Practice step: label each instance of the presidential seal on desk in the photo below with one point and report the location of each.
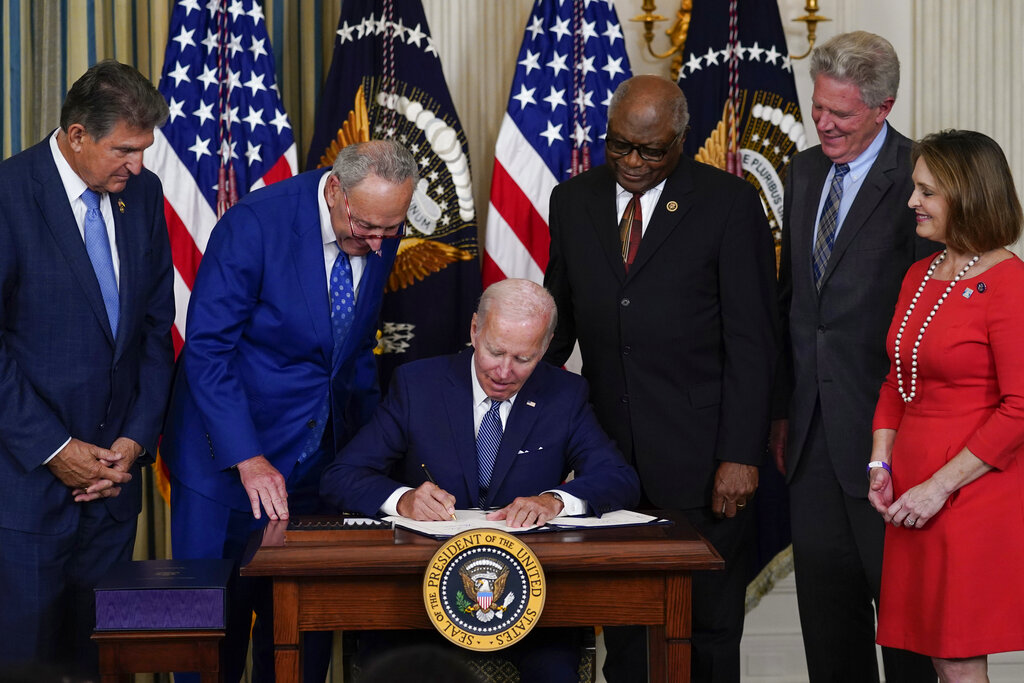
(484, 589)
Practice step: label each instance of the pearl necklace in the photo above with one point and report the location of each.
(908, 397)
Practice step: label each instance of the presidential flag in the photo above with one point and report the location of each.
(745, 118)
(572, 58)
(738, 81)
(227, 133)
(386, 82)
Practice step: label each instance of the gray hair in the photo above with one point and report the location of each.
(385, 159)
(518, 299)
(679, 110)
(864, 59)
(110, 92)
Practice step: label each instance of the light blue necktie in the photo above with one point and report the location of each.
(343, 304)
(829, 224)
(488, 439)
(98, 247)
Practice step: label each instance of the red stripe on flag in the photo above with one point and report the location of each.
(278, 171)
(490, 273)
(518, 211)
(184, 252)
(178, 341)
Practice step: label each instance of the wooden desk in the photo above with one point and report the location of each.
(123, 653)
(634, 575)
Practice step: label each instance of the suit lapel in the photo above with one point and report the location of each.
(129, 259)
(678, 192)
(308, 256)
(457, 395)
(876, 184)
(60, 220)
(603, 221)
(805, 222)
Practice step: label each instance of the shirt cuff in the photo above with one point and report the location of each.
(571, 505)
(54, 454)
(390, 506)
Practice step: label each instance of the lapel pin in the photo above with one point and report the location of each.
(672, 206)
(120, 205)
(981, 288)
(968, 292)
(531, 404)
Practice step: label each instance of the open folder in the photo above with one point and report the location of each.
(477, 519)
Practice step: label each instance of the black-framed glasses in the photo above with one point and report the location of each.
(365, 231)
(621, 148)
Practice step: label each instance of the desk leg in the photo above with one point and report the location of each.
(669, 645)
(286, 631)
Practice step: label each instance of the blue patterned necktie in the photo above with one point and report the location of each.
(343, 304)
(98, 246)
(828, 224)
(488, 438)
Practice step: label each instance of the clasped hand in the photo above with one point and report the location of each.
(92, 472)
(914, 508)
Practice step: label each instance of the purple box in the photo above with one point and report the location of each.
(158, 595)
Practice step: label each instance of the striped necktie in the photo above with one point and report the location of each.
(631, 229)
(488, 439)
(829, 224)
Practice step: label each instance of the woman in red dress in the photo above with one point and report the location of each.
(947, 460)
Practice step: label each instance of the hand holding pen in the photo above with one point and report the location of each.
(428, 502)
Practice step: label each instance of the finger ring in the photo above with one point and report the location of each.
(911, 522)
(740, 506)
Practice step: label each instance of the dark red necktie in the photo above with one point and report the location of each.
(631, 229)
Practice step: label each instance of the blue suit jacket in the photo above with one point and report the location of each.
(62, 374)
(258, 344)
(427, 418)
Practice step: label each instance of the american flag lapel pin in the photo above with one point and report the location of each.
(532, 404)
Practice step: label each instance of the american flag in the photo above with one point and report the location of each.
(572, 58)
(227, 133)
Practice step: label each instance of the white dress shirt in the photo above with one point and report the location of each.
(648, 203)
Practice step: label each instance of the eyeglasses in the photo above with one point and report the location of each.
(365, 231)
(621, 148)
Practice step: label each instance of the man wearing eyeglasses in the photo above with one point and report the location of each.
(663, 270)
(278, 370)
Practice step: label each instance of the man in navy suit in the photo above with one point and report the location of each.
(277, 370)
(85, 359)
(436, 414)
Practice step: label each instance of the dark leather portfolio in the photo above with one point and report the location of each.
(157, 595)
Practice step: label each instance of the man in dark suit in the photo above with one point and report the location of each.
(85, 359)
(675, 317)
(436, 415)
(848, 238)
(278, 371)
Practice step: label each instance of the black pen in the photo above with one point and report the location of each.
(433, 481)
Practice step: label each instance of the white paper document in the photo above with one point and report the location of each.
(477, 519)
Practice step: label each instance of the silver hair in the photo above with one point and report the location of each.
(864, 59)
(385, 159)
(680, 111)
(518, 299)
